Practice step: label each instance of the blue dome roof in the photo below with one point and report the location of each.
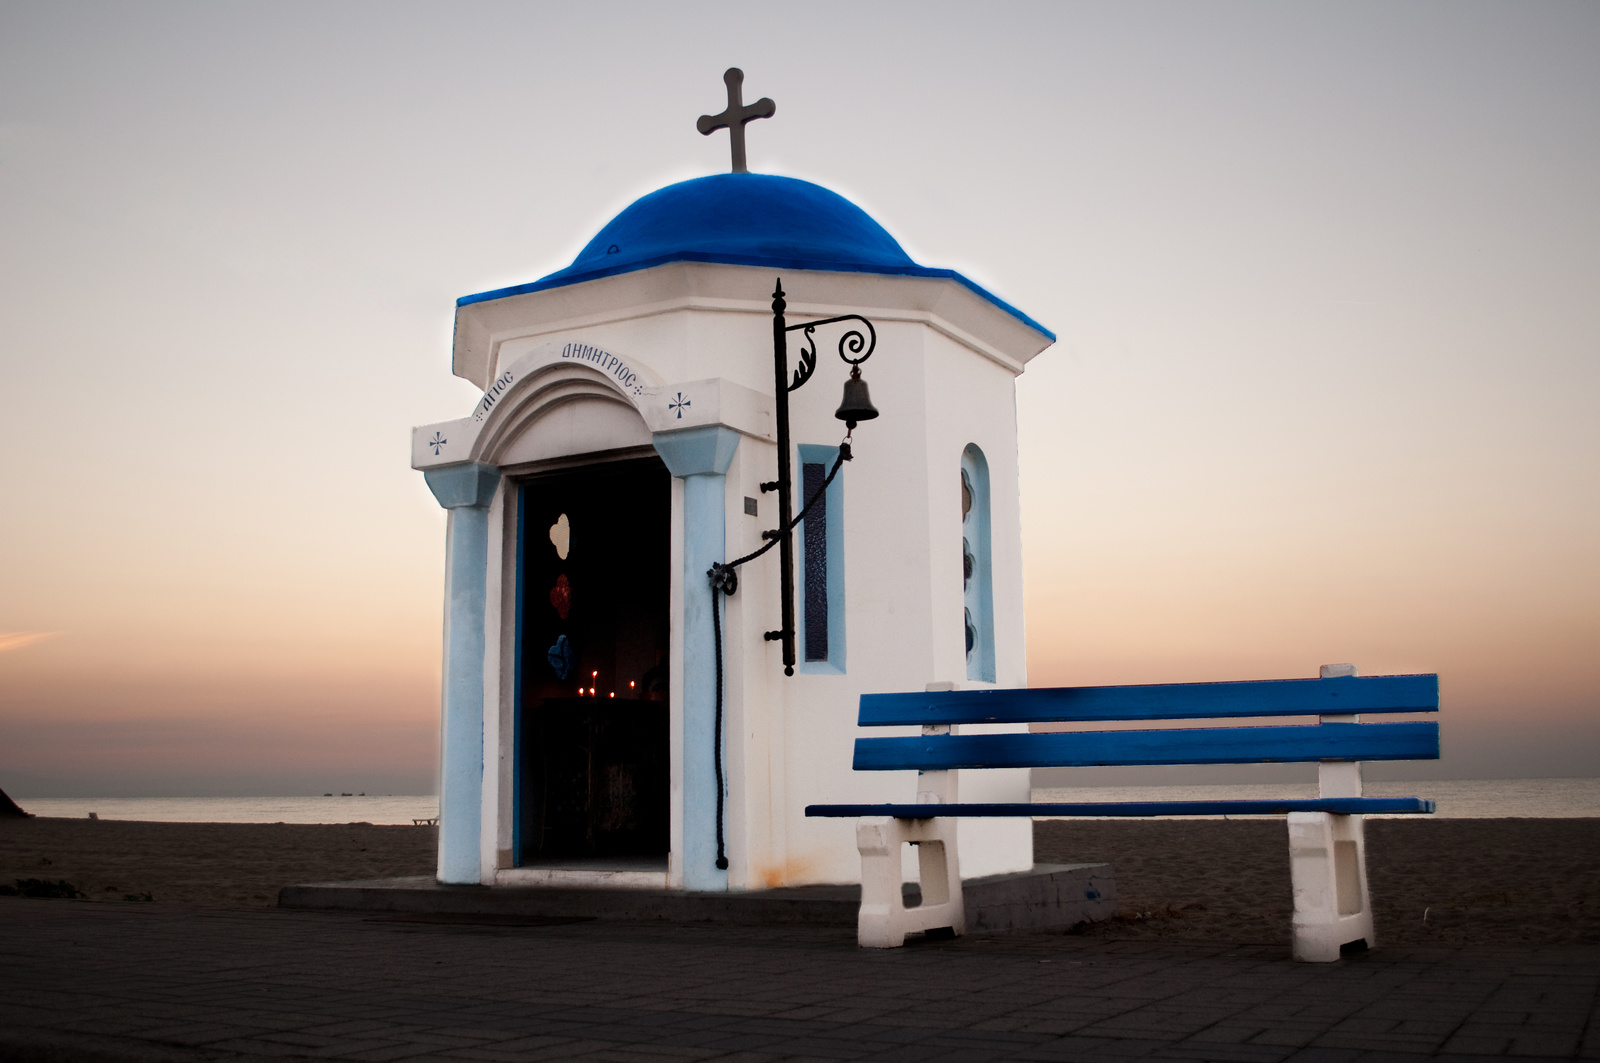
(758, 218)
(742, 219)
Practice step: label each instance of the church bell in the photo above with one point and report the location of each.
(857, 404)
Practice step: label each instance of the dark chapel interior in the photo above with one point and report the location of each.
(591, 776)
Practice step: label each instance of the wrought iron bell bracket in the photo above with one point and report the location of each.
(855, 346)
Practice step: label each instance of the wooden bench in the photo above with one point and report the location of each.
(1327, 845)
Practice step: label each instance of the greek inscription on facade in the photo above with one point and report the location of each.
(492, 395)
(607, 363)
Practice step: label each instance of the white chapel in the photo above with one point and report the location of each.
(610, 718)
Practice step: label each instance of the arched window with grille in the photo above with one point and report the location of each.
(976, 566)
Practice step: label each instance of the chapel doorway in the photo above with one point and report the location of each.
(591, 778)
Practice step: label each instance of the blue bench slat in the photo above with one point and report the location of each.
(1227, 745)
(1165, 701)
(1346, 805)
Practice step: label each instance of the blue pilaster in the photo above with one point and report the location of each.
(466, 491)
(700, 457)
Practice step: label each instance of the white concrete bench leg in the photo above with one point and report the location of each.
(885, 920)
(1328, 864)
(1328, 861)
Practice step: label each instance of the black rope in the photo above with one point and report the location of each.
(844, 456)
(716, 734)
(724, 581)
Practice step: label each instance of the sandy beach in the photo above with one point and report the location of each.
(216, 864)
(1444, 882)
(1447, 882)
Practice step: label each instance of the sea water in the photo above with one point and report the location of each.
(337, 809)
(1458, 799)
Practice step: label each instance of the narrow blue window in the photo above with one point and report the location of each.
(815, 543)
(821, 576)
(976, 566)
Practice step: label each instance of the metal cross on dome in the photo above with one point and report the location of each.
(734, 117)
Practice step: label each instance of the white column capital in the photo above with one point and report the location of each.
(707, 450)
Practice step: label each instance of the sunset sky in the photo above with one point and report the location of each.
(1326, 280)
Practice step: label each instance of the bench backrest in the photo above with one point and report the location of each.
(1344, 696)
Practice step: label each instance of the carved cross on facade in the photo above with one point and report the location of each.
(735, 116)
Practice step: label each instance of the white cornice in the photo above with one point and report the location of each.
(940, 303)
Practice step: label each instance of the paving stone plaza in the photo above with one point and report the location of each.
(149, 982)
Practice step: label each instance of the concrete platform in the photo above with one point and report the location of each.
(1051, 895)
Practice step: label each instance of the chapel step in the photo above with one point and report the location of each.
(1050, 895)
